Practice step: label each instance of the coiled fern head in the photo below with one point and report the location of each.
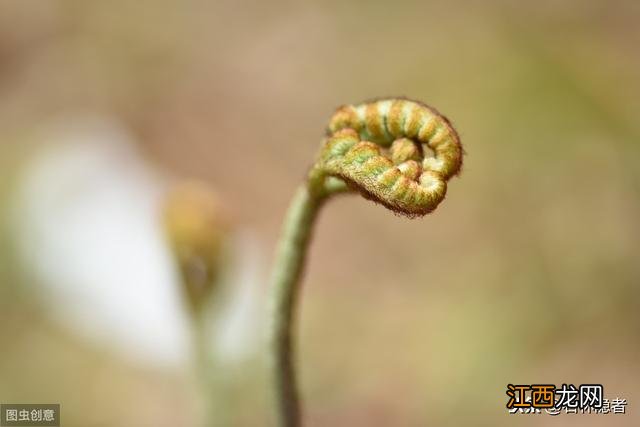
(381, 149)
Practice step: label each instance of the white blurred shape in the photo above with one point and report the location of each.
(89, 228)
(237, 334)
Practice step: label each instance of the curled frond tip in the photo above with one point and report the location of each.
(382, 149)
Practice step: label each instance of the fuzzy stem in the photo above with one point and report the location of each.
(288, 267)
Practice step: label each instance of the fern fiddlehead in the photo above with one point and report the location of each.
(378, 149)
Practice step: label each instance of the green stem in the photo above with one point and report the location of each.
(289, 264)
(215, 402)
(202, 366)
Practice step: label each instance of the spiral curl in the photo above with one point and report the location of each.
(378, 148)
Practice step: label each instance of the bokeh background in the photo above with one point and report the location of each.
(527, 273)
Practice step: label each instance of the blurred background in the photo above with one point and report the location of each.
(527, 273)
